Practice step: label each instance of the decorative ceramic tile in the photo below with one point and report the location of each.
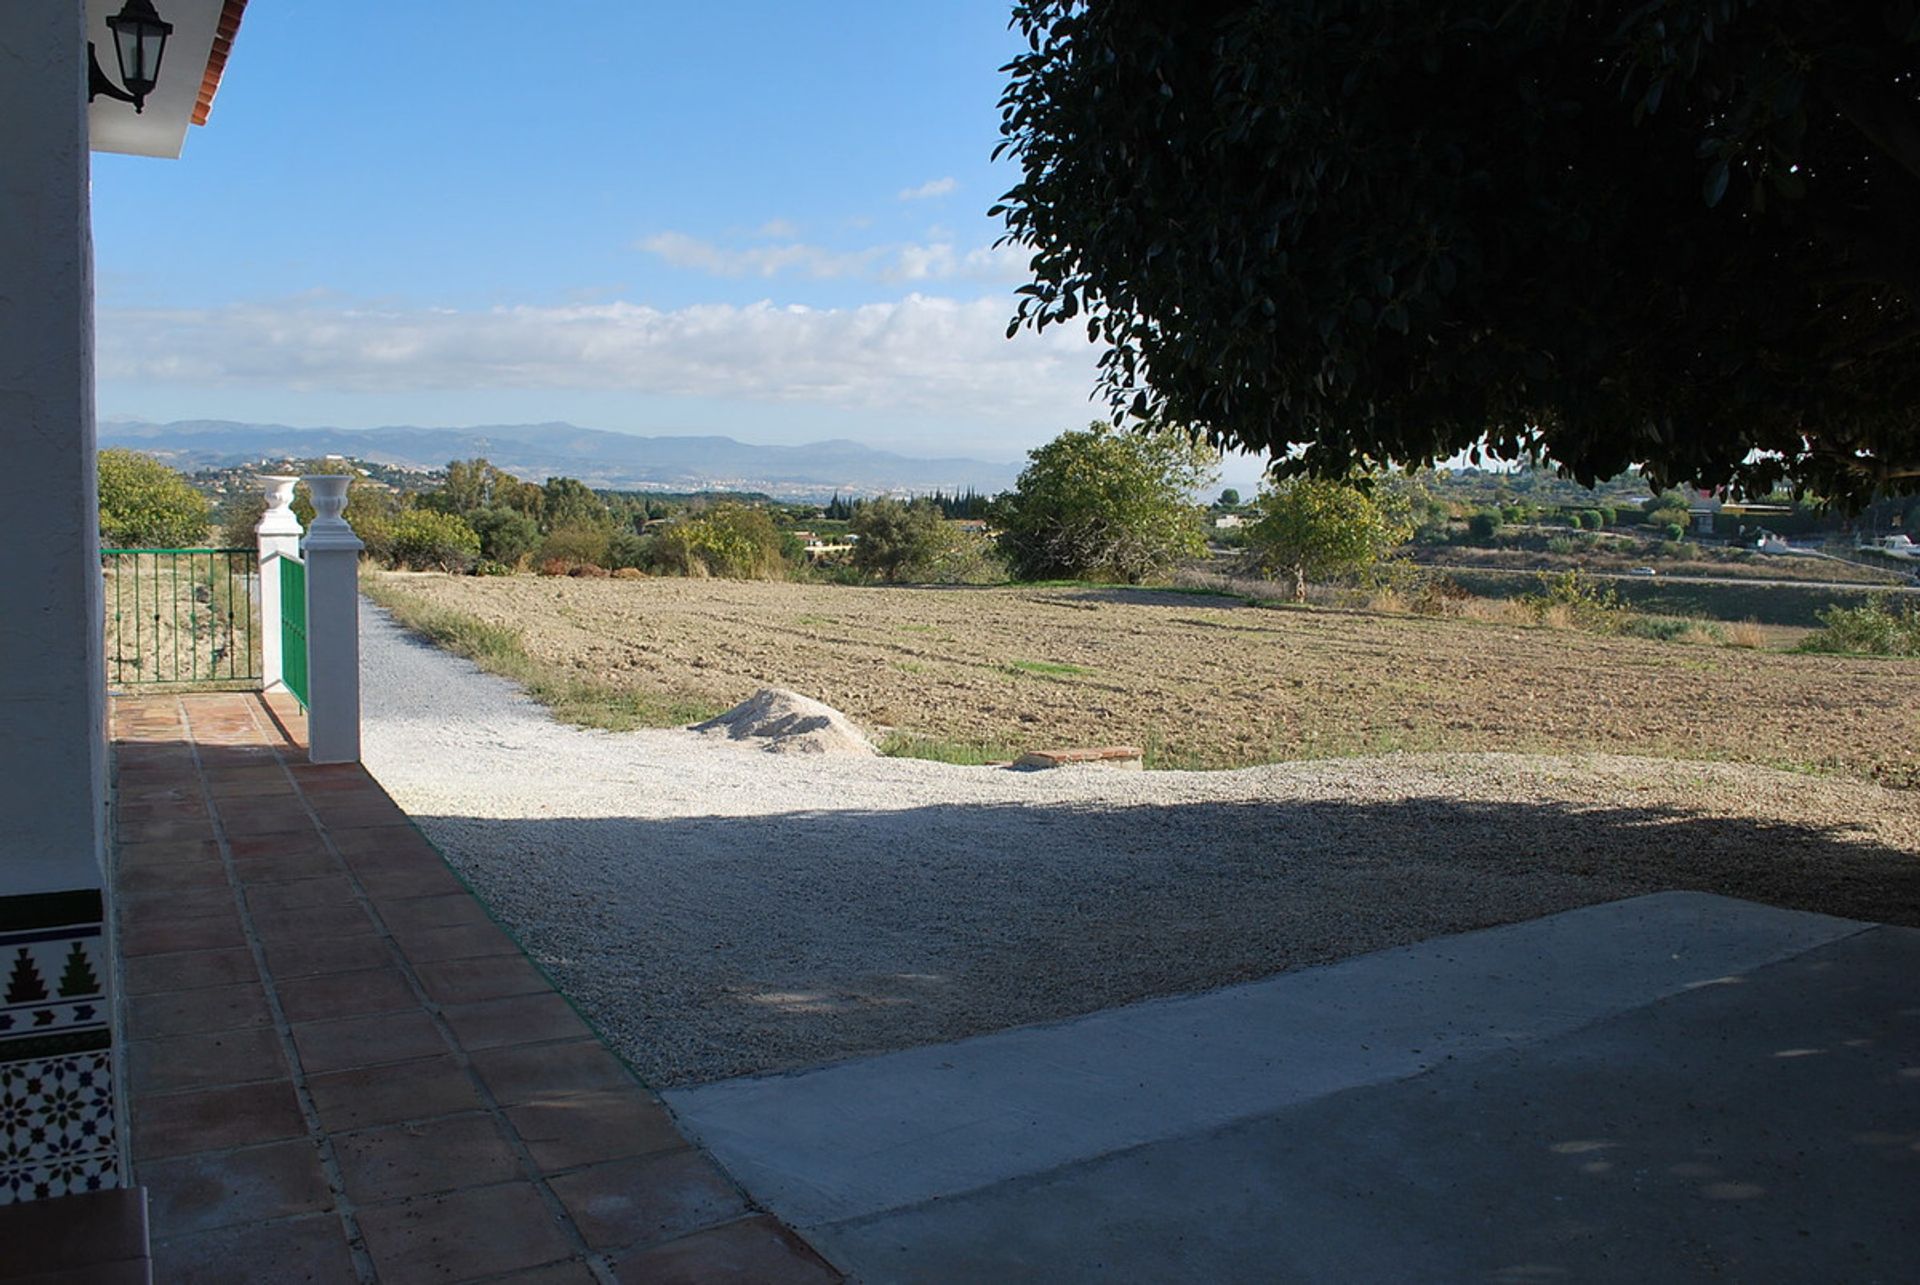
(57, 1126)
(53, 972)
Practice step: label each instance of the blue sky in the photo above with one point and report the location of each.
(757, 219)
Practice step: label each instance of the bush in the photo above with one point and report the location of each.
(1673, 531)
(628, 551)
(730, 540)
(897, 541)
(145, 504)
(1484, 525)
(576, 544)
(1877, 627)
(505, 536)
(1572, 600)
(588, 571)
(427, 541)
(488, 567)
(629, 573)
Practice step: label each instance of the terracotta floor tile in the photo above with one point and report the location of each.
(297, 923)
(182, 1062)
(388, 1094)
(191, 902)
(226, 1188)
(571, 1272)
(355, 812)
(164, 878)
(648, 1200)
(194, 1012)
(136, 853)
(434, 1155)
(189, 970)
(345, 955)
(286, 867)
(178, 1124)
(463, 941)
(309, 1249)
(164, 934)
(350, 1042)
(465, 981)
(128, 813)
(449, 910)
(289, 843)
(520, 1019)
(246, 819)
(152, 833)
(377, 843)
(415, 878)
(327, 890)
(484, 1231)
(527, 1073)
(371, 990)
(755, 1249)
(563, 1132)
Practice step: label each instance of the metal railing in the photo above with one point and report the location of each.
(293, 627)
(178, 616)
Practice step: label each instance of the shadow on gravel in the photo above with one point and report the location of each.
(716, 946)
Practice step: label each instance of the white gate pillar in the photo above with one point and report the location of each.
(278, 534)
(333, 625)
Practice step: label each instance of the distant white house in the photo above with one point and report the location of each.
(1229, 521)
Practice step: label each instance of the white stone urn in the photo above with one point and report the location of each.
(329, 529)
(278, 519)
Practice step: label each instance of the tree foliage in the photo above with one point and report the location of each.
(423, 540)
(1316, 528)
(736, 541)
(1675, 233)
(145, 504)
(899, 541)
(1106, 504)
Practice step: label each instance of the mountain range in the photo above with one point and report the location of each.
(613, 461)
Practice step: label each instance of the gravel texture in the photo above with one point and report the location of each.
(717, 910)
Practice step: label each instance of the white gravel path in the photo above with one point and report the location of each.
(718, 910)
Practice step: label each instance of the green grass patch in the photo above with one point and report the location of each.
(907, 745)
(1047, 668)
(499, 650)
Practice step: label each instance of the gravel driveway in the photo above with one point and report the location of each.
(717, 910)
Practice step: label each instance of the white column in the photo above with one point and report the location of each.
(52, 674)
(333, 625)
(279, 535)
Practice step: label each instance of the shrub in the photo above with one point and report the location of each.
(898, 541)
(577, 543)
(731, 540)
(629, 573)
(427, 541)
(1673, 531)
(1572, 601)
(505, 536)
(1560, 544)
(488, 567)
(588, 571)
(1877, 627)
(553, 567)
(1484, 525)
(145, 504)
(628, 551)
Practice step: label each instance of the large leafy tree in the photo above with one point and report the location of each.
(145, 504)
(1674, 233)
(1102, 504)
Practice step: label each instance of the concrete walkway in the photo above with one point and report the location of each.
(342, 1070)
(1678, 1086)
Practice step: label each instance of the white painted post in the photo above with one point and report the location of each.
(279, 537)
(333, 625)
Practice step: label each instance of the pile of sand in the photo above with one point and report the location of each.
(785, 722)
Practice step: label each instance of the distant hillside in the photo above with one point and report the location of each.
(619, 461)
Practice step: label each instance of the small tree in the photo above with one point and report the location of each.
(506, 537)
(1229, 499)
(1103, 504)
(427, 541)
(730, 540)
(899, 541)
(1312, 529)
(143, 503)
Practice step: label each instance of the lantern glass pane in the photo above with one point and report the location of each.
(153, 43)
(126, 47)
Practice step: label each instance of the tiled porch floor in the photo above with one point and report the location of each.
(342, 1070)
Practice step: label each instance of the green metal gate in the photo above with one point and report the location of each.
(177, 616)
(293, 627)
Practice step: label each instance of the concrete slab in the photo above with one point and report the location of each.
(860, 1138)
(1767, 1130)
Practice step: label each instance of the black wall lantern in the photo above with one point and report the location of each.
(139, 41)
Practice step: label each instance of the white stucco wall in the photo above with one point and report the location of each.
(52, 715)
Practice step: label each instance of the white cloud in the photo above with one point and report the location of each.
(918, 354)
(930, 188)
(910, 261)
(785, 229)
